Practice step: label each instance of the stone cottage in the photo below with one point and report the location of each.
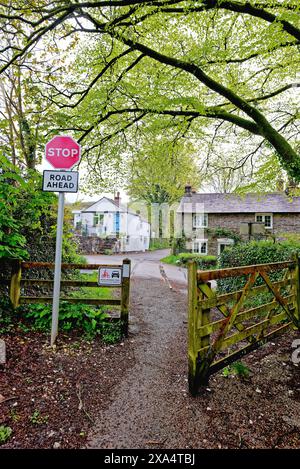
(210, 221)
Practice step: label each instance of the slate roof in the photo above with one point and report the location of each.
(81, 206)
(276, 202)
(85, 207)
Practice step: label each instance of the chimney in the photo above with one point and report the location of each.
(118, 199)
(188, 190)
(280, 184)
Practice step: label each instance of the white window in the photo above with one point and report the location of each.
(200, 246)
(266, 218)
(223, 243)
(98, 219)
(200, 220)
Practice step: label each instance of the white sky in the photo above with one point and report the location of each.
(81, 195)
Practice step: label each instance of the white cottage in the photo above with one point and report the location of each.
(107, 218)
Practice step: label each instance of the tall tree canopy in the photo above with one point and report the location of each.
(211, 71)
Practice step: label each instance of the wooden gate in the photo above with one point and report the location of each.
(20, 279)
(222, 328)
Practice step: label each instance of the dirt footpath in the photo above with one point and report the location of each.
(151, 407)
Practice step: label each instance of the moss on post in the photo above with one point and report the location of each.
(15, 283)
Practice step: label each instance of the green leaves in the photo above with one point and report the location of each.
(78, 316)
(22, 204)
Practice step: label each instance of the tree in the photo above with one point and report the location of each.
(160, 171)
(187, 62)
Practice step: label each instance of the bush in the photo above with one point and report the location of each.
(255, 252)
(178, 245)
(203, 262)
(157, 243)
(78, 316)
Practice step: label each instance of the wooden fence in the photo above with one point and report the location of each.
(222, 328)
(17, 284)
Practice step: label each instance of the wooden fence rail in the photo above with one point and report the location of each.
(222, 328)
(17, 282)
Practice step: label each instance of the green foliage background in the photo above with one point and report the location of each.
(254, 252)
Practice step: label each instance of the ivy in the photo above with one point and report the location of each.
(225, 233)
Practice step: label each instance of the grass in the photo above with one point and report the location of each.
(171, 259)
(92, 292)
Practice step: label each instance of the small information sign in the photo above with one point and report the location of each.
(110, 276)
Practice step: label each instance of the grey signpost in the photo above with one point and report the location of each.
(57, 270)
(62, 152)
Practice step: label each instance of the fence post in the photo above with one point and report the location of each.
(297, 290)
(15, 283)
(125, 295)
(192, 326)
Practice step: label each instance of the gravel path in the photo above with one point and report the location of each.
(151, 406)
(142, 412)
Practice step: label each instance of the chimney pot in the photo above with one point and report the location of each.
(188, 190)
(117, 198)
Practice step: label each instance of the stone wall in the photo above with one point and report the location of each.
(95, 245)
(282, 223)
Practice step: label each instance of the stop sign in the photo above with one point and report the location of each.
(62, 152)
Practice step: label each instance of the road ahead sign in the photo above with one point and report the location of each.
(60, 181)
(110, 276)
(62, 152)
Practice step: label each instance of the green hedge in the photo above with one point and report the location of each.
(255, 252)
(203, 262)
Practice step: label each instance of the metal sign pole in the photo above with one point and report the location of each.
(57, 271)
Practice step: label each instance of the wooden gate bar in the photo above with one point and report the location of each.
(247, 314)
(207, 275)
(69, 283)
(88, 301)
(214, 300)
(51, 265)
(234, 356)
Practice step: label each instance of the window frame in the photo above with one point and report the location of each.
(99, 216)
(204, 216)
(263, 215)
(200, 241)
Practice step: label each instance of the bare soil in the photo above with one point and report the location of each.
(135, 394)
(52, 396)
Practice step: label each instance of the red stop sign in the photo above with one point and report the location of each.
(62, 152)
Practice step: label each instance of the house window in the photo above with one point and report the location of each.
(224, 243)
(98, 219)
(266, 218)
(200, 220)
(200, 246)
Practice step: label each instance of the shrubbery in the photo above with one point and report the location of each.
(89, 320)
(254, 252)
(203, 262)
(78, 316)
